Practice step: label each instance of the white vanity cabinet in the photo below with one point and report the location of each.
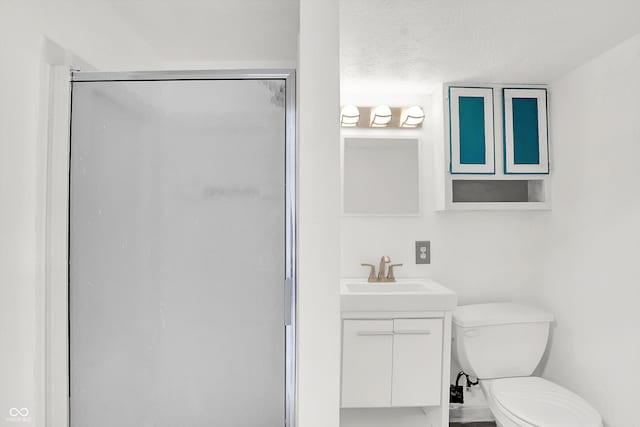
(367, 362)
(396, 351)
(391, 362)
(417, 362)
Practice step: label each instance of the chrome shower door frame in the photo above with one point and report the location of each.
(289, 286)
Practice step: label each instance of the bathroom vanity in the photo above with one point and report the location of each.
(396, 346)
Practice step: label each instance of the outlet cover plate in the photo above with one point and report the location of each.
(423, 252)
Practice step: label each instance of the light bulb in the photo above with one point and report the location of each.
(380, 116)
(349, 116)
(412, 117)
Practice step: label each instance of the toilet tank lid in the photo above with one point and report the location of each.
(471, 316)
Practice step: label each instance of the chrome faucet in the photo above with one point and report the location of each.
(382, 277)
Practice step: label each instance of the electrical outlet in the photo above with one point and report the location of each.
(423, 252)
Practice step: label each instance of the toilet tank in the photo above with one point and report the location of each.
(499, 340)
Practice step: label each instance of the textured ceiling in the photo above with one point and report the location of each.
(406, 46)
(203, 31)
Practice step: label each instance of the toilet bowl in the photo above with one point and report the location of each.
(501, 344)
(534, 401)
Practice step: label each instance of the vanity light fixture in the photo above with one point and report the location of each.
(349, 116)
(411, 117)
(380, 116)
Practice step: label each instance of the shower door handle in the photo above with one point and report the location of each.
(288, 301)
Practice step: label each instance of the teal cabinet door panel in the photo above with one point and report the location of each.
(526, 149)
(525, 131)
(471, 136)
(472, 130)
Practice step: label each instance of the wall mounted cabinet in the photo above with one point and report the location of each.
(525, 131)
(472, 147)
(491, 147)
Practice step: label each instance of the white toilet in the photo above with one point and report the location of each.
(501, 344)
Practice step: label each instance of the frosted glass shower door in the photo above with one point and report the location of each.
(177, 253)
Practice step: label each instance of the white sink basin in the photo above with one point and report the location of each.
(403, 295)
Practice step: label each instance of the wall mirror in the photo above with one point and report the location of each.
(381, 176)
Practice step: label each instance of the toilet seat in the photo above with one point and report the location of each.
(534, 401)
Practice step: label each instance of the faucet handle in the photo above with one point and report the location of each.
(372, 272)
(390, 276)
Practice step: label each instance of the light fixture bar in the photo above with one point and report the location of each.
(381, 117)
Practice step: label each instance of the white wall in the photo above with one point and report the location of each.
(590, 279)
(94, 32)
(318, 260)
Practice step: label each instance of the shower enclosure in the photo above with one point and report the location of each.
(182, 249)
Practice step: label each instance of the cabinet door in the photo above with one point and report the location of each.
(417, 362)
(366, 363)
(525, 131)
(472, 147)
